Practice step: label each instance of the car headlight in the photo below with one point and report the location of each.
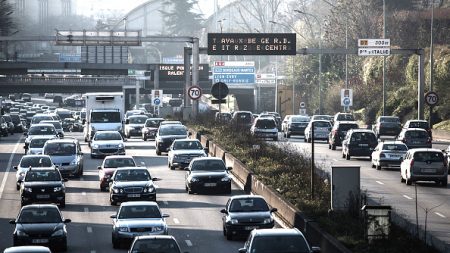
(158, 228)
(123, 229)
(59, 232)
(117, 190)
(21, 233)
(268, 220)
(28, 189)
(194, 179)
(57, 189)
(95, 146)
(74, 162)
(225, 179)
(120, 145)
(232, 221)
(149, 189)
(176, 157)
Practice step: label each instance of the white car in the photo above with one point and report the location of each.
(37, 144)
(388, 154)
(41, 130)
(265, 127)
(322, 129)
(134, 125)
(136, 218)
(182, 151)
(31, 161)
(424, 164)
(107, 143)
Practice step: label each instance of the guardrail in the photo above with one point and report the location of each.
(68, 81)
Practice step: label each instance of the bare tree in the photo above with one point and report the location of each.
(256, 14)
(6, 21)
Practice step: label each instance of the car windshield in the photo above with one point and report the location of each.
(363, 137)
(137, 120)
(35, 161)
(318, 124)
(132, 175)
(152, 123)
(139, 212)
(418, 124)
(346, 127)
(265, 124)
(56, 124)
(60, 149)
(64, 115)
(42, 130)
(39, 176)
(244, 118)
(342, 117)
(38, 143)
(105, 117)
(173, 130)
(416, 134)
(299, 119)
(395, 147)
(390, 120)
(249, 205)
(428, 157)
(99, 136)
(40, 215)
(155, 246)
(280, 244)
(38, 119)
(187, 145)
(208, 165)
(118, 162)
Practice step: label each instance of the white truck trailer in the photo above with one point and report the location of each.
(104, 111)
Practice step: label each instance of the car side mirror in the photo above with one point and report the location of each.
(67, 221)
(114, 216)
(315, 249)
(273, 210)
(99, 167)
(229, 168)
(224, 211)
(187, 169)
(15, 167)
(242, 250)
(12, 221)
(165, 215)
(65, 180)
(156, 179)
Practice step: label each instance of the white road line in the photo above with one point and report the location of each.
(440, 215)
(408, 197)
(189, 243)
(165, 203)
(379, 182)
(93, 251)
(336, 160)
(176, 221)
(8, 167)
(86, 210)
(83, 193)
(89, 229)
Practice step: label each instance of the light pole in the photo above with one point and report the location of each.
(431, 60)
(384, 59)
(320, 55)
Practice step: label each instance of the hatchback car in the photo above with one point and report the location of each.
(150, 128)
(109, 165)
(37, 144)
(132, 183)
(387, 125)
(43, 130)
(31, 161)
(415, 138)
(37, 118)
(43, 185)
(19, 123)
(277, 240)
(322, 129)
(167, 134)
(338, 132)
(67, 155)
(358, 142)
(242, 119)
(343, 116)
(154, 243)
(105, 143)
(137, 219)
(222, 117)
(423, 164)
(207, 173)
(265, 128)
(388, 154)
(419, 124)
(134, 125)
(243, 213)
(182, 151)
(40, 225)
(58, 126)
(295, 125)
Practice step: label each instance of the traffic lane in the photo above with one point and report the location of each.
(385, 187)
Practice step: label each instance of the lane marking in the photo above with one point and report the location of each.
(81, 178)
(93, 251)
(83, 193)
(8, 167)
(89, 229)
(408, 197)
(165, 202)
(440, 215)
(189, 243)
(86, 210)
(336, 160)
(176, 221)
(379, 182)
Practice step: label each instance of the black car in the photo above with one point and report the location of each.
(359, 142)
(296, 125)
(338, 132)
(3, 127)
(40, 225)
(387, 125)
(150, 128)
(207, 173)
(19, 123)
(167, 134)
(10, 124)
(243, 213)
(43, 185)
(132, 183)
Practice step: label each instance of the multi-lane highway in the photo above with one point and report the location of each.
(384, 187)
(195, 220)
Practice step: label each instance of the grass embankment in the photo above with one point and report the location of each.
(443, 125)
(287, 171)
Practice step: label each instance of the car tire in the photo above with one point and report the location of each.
(62, 204)
(333, 147)
(378, 167)
(229, 235)
(115, 243)
(63, 247)
(444, 182)
(347, 156)
(408, 181)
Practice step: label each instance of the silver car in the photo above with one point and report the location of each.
(322, 129)
(182, 151)
(107, 143)
(67, 155)
(44, 130)
(388, 154)
(424, 164)
(37, 144)
(134, 125)
(415, 138)
(135, 219)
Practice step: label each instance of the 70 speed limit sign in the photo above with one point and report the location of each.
(431, 98)
(194, 92)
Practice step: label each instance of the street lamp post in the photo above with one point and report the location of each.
(431, 60)
(384, 59)
(320, 55)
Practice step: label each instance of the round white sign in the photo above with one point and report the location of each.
(431, 98)
(194, 92)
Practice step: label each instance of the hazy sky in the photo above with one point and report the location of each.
(89, 7)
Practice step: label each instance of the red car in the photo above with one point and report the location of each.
(109, 165)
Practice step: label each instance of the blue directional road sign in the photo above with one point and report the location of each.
(346, 101)
(156, 101)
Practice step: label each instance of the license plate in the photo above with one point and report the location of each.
(43, 196)
(363, 145)
(429, 170)
(395, 156)
(40, 240)
(210, 184)
(134, 195)
(251, 227)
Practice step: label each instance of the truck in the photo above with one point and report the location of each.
(104, 112)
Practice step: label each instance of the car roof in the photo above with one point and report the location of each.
(392, 142)
(150, 237)
(132, 168)
(346, 122)
(155, 119)
(40, 206)
(42, 124)
(67, 140)
(118, 156)
(386, 117)
(35, 156)
(415, 129)
(185, 139)
(246, 196)
(27, 249)
(138, 116)
(414, 150)
(106, 132)
(417, 120)
(361, 130)
(139, 203)
(276, 231)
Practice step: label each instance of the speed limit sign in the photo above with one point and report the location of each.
(431, 98)
(194, 92)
